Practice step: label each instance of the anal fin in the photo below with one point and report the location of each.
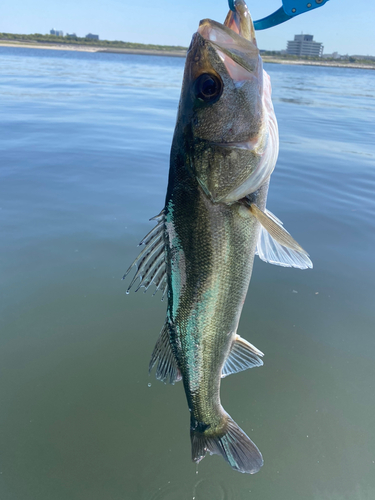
(242, 356)
(163, 357)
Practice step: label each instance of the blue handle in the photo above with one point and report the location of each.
(274, 19)
(295, 7)
(290, 9)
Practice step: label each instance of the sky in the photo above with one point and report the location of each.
(343, 26)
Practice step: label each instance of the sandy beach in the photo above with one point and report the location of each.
(86, 48)
(174, 53)
(50, 46)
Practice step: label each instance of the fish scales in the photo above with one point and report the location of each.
(214, 222)
(216, 247)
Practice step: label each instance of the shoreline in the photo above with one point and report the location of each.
(87, 48)
(329, 64)
(172, 53)
(145, 52)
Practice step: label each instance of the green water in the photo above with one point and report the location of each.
(84, 146)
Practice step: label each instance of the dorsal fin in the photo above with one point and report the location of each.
(150, 263)
(242, 356)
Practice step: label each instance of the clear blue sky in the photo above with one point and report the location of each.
(345, 26)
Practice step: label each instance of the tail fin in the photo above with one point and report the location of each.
(231, 442)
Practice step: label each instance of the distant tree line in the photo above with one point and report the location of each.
(282, 55)
(37, 37)
(351, 59)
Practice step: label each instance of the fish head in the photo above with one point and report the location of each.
(222, 115)
(223, 85)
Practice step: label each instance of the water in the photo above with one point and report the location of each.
(84, 161)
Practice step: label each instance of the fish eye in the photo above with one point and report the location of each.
(208, 88)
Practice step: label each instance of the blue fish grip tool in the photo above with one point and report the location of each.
(289, 9)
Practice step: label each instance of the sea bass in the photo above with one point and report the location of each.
(201, 251)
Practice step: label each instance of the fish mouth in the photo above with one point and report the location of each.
(240, 21)
(231, 37)
(234, 41)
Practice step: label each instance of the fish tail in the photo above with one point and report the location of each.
(230, 441)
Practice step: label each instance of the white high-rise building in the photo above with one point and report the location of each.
(304, 45)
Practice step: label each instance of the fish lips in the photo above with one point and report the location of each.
(239, 20)
(233, 49)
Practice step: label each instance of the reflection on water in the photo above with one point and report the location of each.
(304, 102)
(356, 494)
(85, 151)
(206, 488)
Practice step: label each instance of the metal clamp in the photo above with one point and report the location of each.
(289, 9)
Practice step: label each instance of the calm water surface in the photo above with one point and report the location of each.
(84, 145)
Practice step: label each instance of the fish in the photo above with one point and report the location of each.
(201, 251)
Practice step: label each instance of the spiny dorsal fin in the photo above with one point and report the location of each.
(150, 263)
(166, 369)
(242, 356)
(275, 245)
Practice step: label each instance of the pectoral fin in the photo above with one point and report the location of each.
(275, 245)
(242, 356)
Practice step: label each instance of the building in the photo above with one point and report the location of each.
(304, 45)
(71, 35)
(92, 37)
(334, 55)
(56, 32)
